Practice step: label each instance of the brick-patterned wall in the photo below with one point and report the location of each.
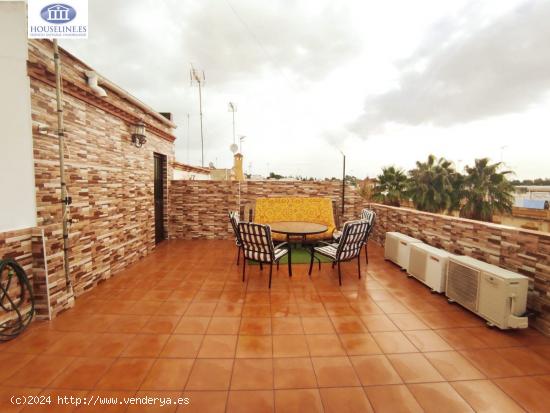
(199, 208)
(523, 251)
(109, 180)
(16, 245)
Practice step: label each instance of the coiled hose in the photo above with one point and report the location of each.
(14, 280)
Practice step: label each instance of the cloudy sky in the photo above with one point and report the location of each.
(386, 82)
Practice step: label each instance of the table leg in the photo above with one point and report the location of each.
(289, 256)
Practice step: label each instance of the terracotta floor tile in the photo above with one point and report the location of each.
(192, 325)
(490, 363)
(375, 370)
(210, 374)
(228, 310)
(348, 325)
(71, 344)
(392, 399)
(433, 396)
(345, 399)
(298, 401)
(41, 371)
(255, 326)
(532, 393)
(525, 360)
(125, 374)
(291, 345)
(378, 322)
(254, 346)
(224, 325)
(256, 310)
(453, 366)
(252, 374)
(83, 373)
(408, 321)
(182, 345)
(259, 401)
(145, 307)
(293, 373)
(218, 346)
(359, 344)
(494, 337)
(393, 342)
(168, 374)
(392, 307)
(485, 396)
(198, 309)
(461, 339)
(414, 368)
(145, 345)
(10, 363)
(325, 345)
(160, 325)
(334, 372)
(173, 308)
(317, 325)
(286, 325)
(427, 340)
(128, 323)
(204, 402)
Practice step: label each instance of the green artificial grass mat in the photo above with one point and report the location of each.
(300, 255)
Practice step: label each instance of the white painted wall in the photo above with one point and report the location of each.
(17, 199)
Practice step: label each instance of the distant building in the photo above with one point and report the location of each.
(188, 172)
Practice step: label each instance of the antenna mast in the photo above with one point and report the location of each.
(197, 76)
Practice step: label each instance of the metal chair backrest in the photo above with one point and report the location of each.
(370, 216)
(257, 242)
(234, 219)
(353, 237)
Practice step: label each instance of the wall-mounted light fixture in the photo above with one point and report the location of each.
(138, 134)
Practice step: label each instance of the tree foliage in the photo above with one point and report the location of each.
(391, 187)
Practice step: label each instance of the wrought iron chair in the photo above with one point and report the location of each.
(234, 219)
(370, 216)
(349, 246)
(258, 246)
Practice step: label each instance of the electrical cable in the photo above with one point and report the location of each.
(15, 325)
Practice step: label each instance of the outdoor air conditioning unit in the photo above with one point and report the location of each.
(397, 248)
(496, 294)
(429, 265)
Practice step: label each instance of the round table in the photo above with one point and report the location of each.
(296, 229)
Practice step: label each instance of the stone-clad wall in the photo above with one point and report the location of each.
(523, 251)
(199, 208)
(109, 180)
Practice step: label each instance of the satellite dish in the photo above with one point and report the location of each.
(211, 165)
(234, 148)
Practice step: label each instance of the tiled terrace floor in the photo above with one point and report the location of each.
(181, 323)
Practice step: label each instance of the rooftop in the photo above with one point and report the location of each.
(181, 324)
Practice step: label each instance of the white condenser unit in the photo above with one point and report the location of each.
(429, 265)
(397, 248)
(496, 294)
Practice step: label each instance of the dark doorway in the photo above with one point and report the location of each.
(160, 173)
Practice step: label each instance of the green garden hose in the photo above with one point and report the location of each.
(14, 280)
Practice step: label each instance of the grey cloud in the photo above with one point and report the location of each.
(469, 70)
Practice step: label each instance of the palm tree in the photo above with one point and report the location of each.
(435, 185)
(391, 186)
(486, 191)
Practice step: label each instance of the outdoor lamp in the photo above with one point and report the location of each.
(138, 134)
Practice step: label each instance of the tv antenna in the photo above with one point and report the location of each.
(232, 107)
(198, 77)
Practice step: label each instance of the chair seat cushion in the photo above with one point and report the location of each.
(280, 252)
(328, 250)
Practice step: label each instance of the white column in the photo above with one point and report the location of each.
(17, 199)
